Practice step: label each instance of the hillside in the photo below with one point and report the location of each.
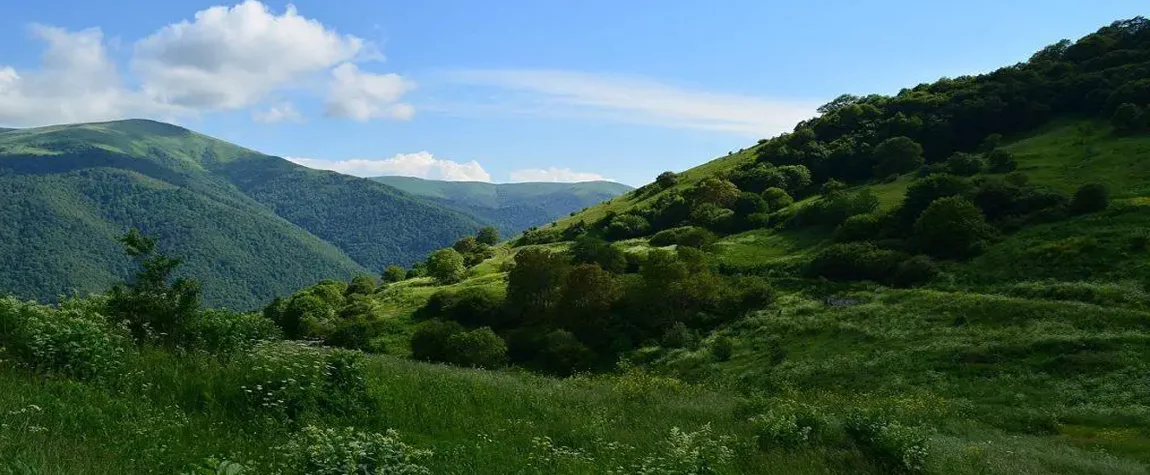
(251, 226)
(512, 207)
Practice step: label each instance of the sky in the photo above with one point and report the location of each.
(512, 90)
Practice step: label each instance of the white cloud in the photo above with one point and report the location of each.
(279, 112)
(228, 58)
(362, 96)
(420, 165)
(76, 82)
(635, 100)
(553, 174)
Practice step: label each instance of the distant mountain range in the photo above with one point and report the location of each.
(512, 207)
(250, 226)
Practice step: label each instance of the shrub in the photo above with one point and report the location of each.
(589, 249)
(394, 273)
(951, 228)
(466, 245)
(964, 164)
(715, 191)
(561, 353)
(835, 208)
(290, 379)
(679, 336)
(777, 198)
(667, 179)
(832, 186)
(221, 331)
(990, 143)
(757, 221)
(688, 453)
(430, 340)
(471, 306)
(862, 227)
(488, 235)
(1001, 161)
(741, 294)
(1090, 198)
(154, 305)
(893, 446)
(722, 348)
(711, 216)
(1017, 178)
(690, 236)
(914, 271)
(923, 192)
(796, 177)
(897, 155)
(749, 203)
(446, 266)
(361, 285)
(1128, 118)
(628, 226)
(331, 451)
(479, 348)
(788, 424)
(74, 342)
(855, 261)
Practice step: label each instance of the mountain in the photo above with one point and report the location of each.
(250, 226)
(512, 207)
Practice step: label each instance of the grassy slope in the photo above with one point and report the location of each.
(250, 226)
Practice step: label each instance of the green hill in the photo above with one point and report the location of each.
(251, 226)
(512, 207)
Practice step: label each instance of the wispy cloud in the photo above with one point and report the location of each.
(279, 112)
(419, 164)
(565, 94)
(554, 174)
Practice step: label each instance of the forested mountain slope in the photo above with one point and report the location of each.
(512, 207)
(250, 225)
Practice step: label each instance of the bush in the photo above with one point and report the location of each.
(914, 271)
(722, 348)
(561, 353)
(589, 249)
(690, 236)
(488, 235)
(834, 209)
(394, 273)
(833, 186)
(679, 336)
(716, 191)
(923, 192)
(75, 342)
(951, 228)
(777, 198)
(429, 341)
(1017, 178)
(788, 424)
(330, 451)
(471, 306)
(964, 164)
(667, 179)
(220, 331)
(711, 216)
(741, 294)
(893, 446)
(628, 226)
(446, 266)
(1001, 161)
(361, 285)
(749, 203)
(479, 348)
(1128, 118)
(897, 155)
(862, 227)
(1090, 198)
(290, 379)
(855, 261)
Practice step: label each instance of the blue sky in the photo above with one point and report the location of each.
(501, 91)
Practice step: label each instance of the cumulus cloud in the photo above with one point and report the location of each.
(76, 82)
(229, 58)
(634, 100)
(554, 174)
(362, 96)
(280, 112)
(420, 165)
(224, 58)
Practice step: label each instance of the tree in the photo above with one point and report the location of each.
(466, 245)
(1001, 161)
(897, 155)
(951, 227)
(922, 193)
(446, 266)
(430, 340)
(777, 198)
(394, 273)
(716, 191)
(1090, 198)
(667, 179)
(628, 226)
(964, 164)
(749, 203)
(589, 249)
(150, 305)
(479, 348)
(1128, 118)
(362, 285)
(488, 235)
(535, 283)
